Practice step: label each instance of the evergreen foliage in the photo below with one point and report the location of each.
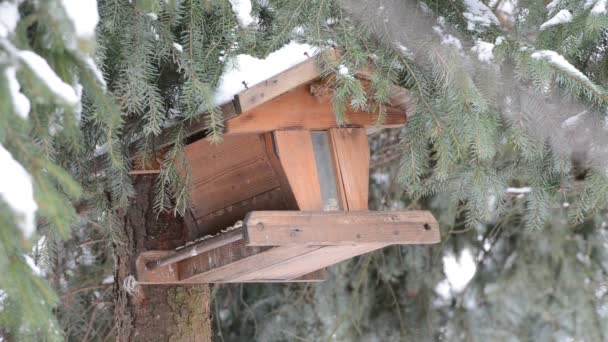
(530, 111)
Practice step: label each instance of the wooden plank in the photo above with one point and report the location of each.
(288, 197)
(199, 247)
(228, 173)
(351, 153)
(227, 216)
(275, 228)
(248, 265)
(300, 109)
(312, 277)
(278, 84)
(298, 161)
(306, 263)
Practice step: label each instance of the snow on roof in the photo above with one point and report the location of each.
(562, 17)
(478, 14)
(18, 192)
(9, 16)
(83, 15)
(245, 71)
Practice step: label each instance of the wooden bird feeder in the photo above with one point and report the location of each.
(296, 184)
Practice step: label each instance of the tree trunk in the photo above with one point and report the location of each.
(155, 313)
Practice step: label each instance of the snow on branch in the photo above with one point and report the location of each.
(83, 15)
(21, 104)
(520, 191)
(42, 70)
(478, 14)
(242, 11)
(599, 6)
(562, 17)
(9, 16)
(18, 192)
(562, 64)
(484, 51)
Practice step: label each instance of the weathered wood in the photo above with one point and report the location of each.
(278, 84)
(296, 154)
(288, 197)
(162, 275)
(197, 248)
(276, 228)
(228, 173)
(225, 217)
(317, 258)
(351, 159)
(300, 109)
(249, 265)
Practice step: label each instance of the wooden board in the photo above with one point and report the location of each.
(220, 266)
(274, 228)
(300, 109)
(296, 155)
(248, 265)
(228, 173)
(351, 159)
(308, 262)
(277, 85)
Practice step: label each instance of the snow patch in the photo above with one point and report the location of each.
(562, 17)
(83, 15)
(478, 14)
(152, 16)
(43, 71)
(448, 39)
(458, 271)
(242, 11)
(552, 5)
(523, 190)
(343, 70)
(18, 192)
(30, 262)
(244, 71)
(599, 8)
(178, 47)
(21, 104)
(484, 51)
(108, 280)
(9, 16)
(96, 71)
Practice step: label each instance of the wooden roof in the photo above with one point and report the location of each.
(286, 100)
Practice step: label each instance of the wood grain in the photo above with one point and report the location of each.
(278, 84)
(249, 265)
(308, 262)
(228, 173)
(351, 159)
(274, 228)
(300, 109)
(297, 158)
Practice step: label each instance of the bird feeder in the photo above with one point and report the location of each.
(285, 194)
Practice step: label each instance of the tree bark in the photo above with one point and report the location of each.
(154, 313)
